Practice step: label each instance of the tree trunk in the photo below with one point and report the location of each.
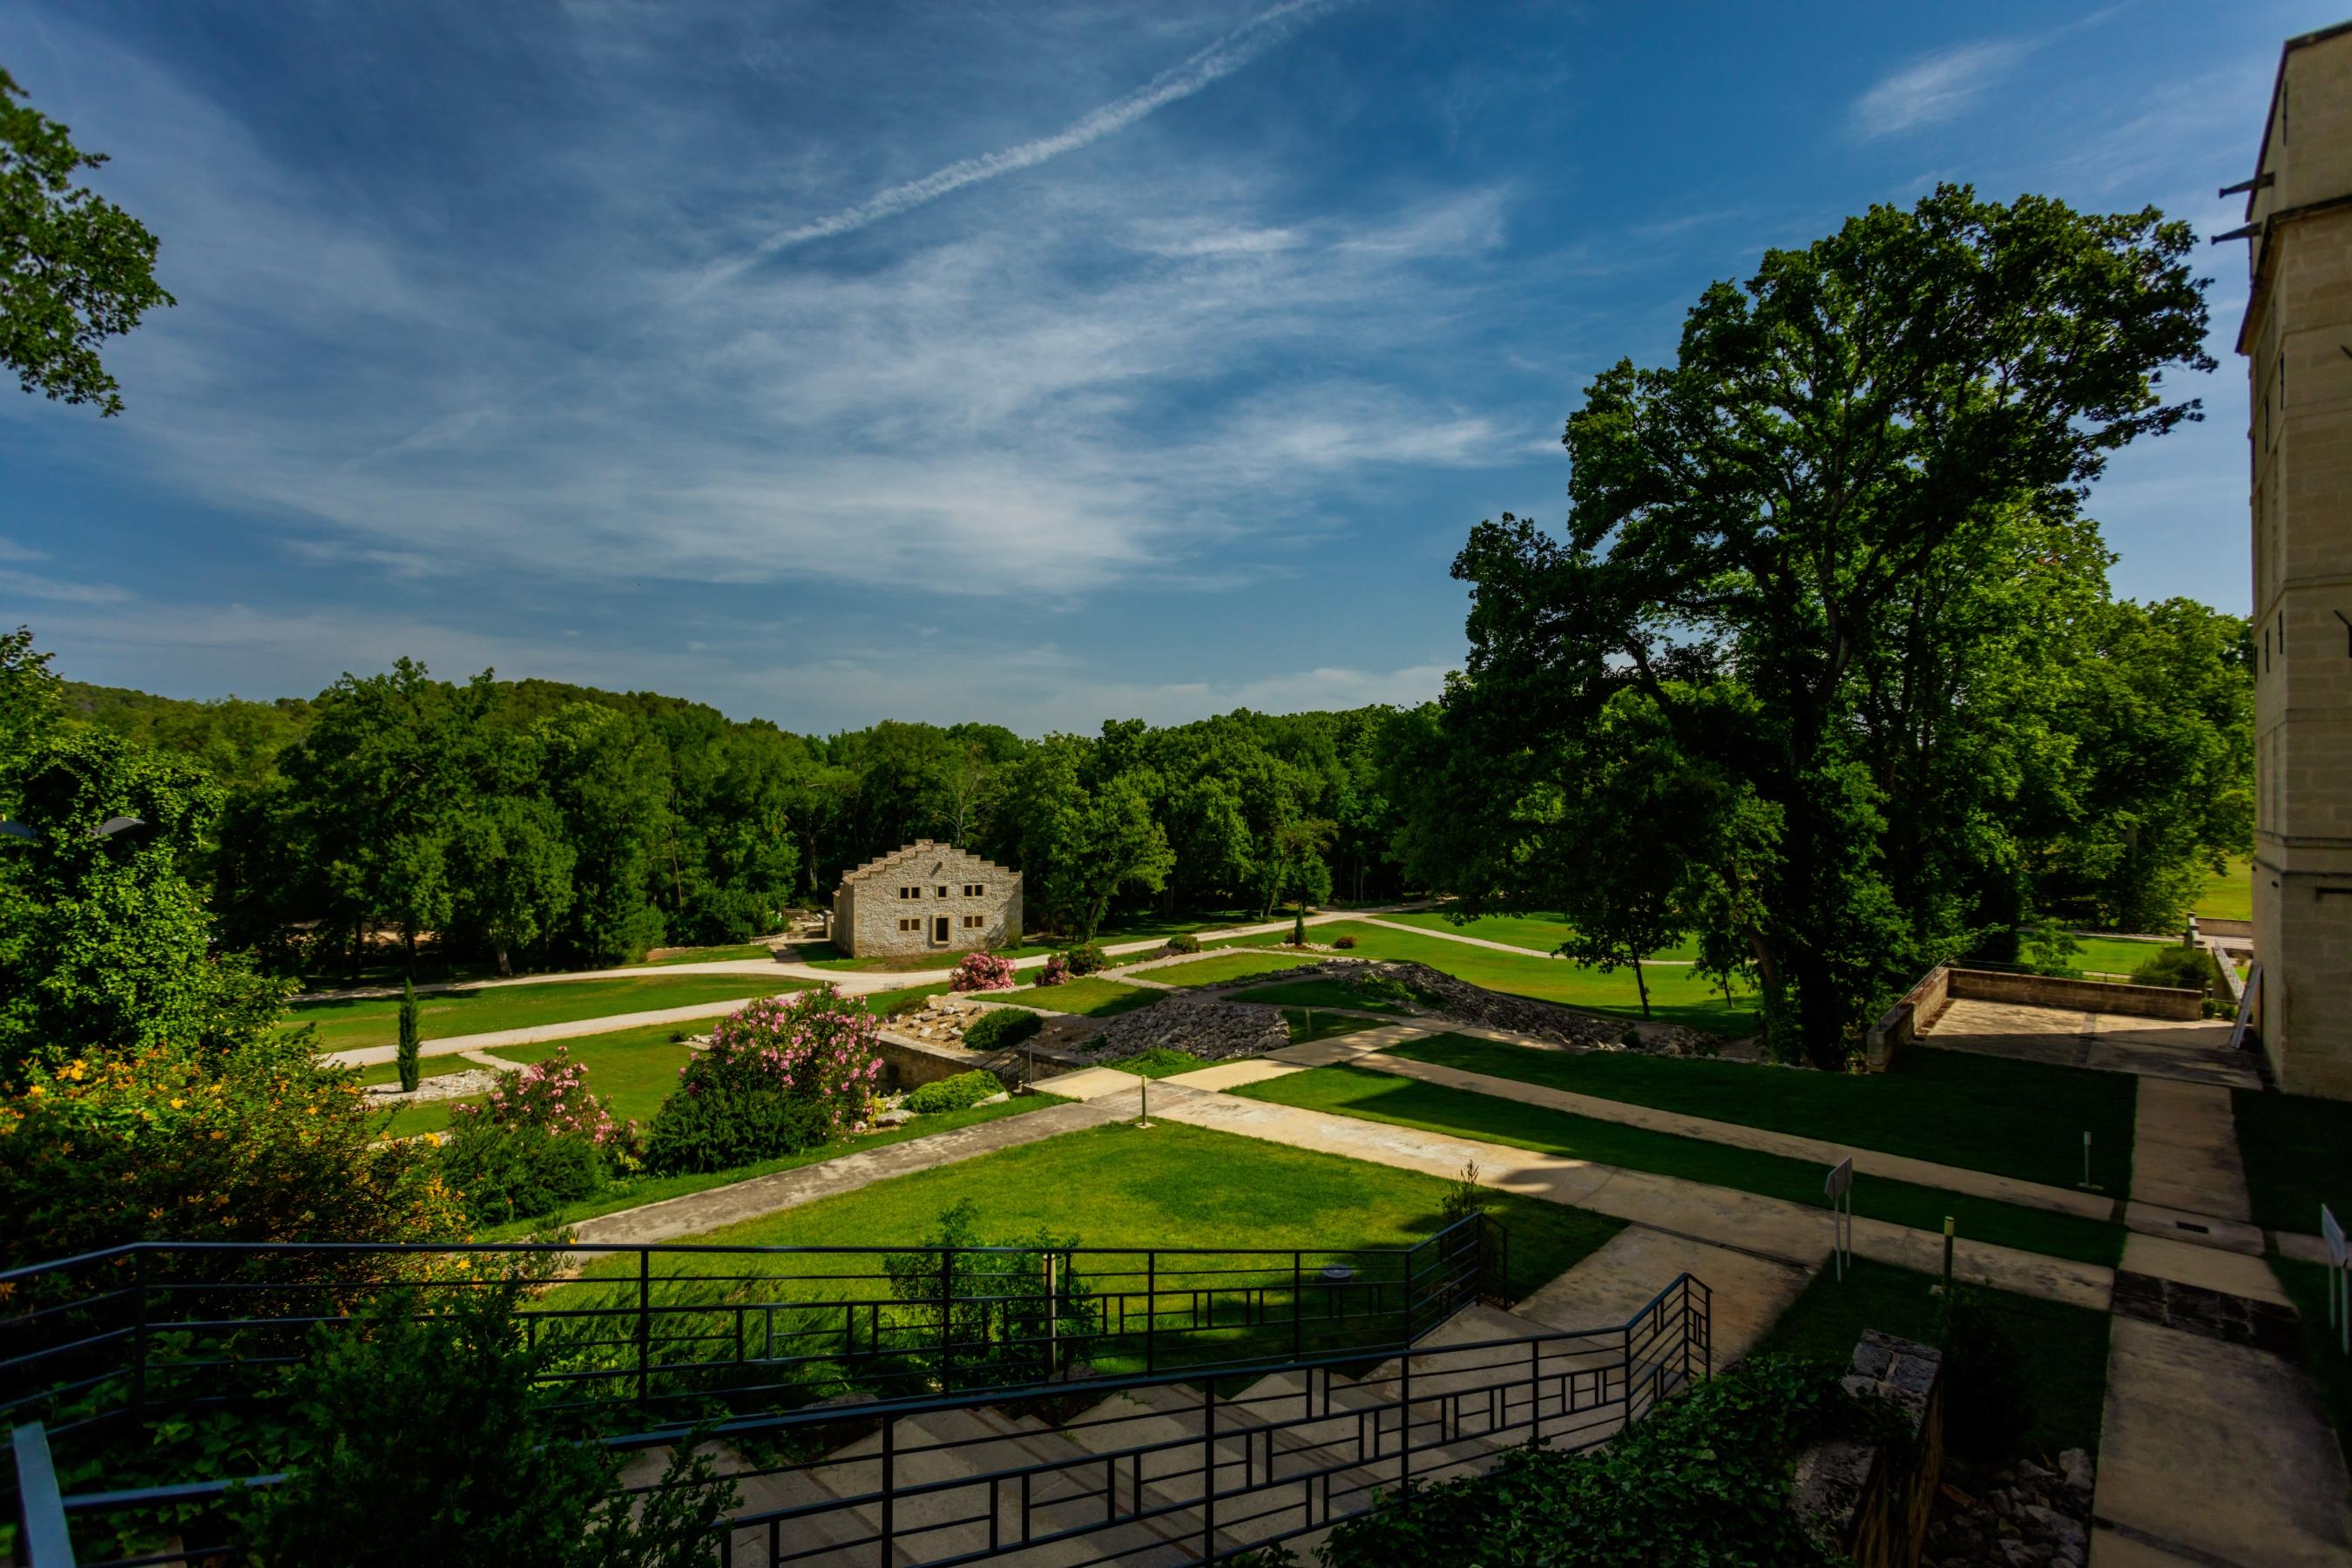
(504, 968)
(1641, 985)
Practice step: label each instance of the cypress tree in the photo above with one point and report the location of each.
(406, 1058)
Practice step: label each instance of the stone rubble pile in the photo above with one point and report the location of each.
(939, 1021)
(1447, 997)
(444, 1086)
(2013, 1516)
(1208, 1028)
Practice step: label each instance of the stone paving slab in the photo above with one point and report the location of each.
(696, 1212)
(1747, 1294)
(2214, 1453)
(2185, 1150)
(1788, 1145)
(1773, 1228)
(2191, 1050)
(1087, 1083)
(2208, 1267)
(2201, 1229)
(1233, 1074)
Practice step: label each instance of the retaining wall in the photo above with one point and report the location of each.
(2091, 995)
(1903, 1022)
(1868, 1501)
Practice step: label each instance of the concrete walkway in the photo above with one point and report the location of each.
(697, 1213)
(1773, 1228)
(537, 1034)
(1510, 947)
(2193, 1050)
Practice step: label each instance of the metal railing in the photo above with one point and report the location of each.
(1148, 1469)
(648, 1333)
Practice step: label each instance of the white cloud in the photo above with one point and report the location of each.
(37, 588)
(1940, 87)
(12, 550)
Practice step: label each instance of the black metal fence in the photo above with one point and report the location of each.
(649, 1333)
(1158, 1468)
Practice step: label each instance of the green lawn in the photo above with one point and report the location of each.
(633, 1070)
(1139, 928)
(714, 954)
(1158, 1062)
(2064, 1348)
(1382, 1097)
(1541, 931)
(1167, 1185)
(1307, 1024)
(2229, 893)
(1220, 968)
(343, 1024)
(2016, 1119)
(2298, 1155)
(1676, 995)
(1318, 994)
(880, 1002)
(2113, 955)
(1088, 995)
(630, 1192)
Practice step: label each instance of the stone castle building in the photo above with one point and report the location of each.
(925, 898)
(2297, 339)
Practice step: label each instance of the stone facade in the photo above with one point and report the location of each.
(924, 899)
(2297, 339)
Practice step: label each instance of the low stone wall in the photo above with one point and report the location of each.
(910, 1064)
(1873, 1503)
(2091, 995)
(1920, 1007)
(2211, 925)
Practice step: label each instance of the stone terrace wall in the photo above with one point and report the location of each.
(1871, 1503)
(2091, 995)
(1919, 1008)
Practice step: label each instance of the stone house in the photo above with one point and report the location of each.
(924, 899)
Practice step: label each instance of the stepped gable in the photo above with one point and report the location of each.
(917, 850)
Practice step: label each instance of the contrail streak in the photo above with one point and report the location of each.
(1218, 61)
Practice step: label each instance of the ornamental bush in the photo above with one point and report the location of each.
(1343, 943)
(2185, 967)
(1085, 958)
(258, 1144)
(1000, 1027)
(539, 1140)
(959, 1093)
(782, 1074)
(552, 1095)
(981, 972)
(1056, 971)
(1182, 941)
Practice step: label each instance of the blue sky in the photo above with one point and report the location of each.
(831, 362)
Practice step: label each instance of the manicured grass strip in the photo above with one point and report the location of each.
(630, 1192)
(1382, 1097)
(1541, 931)
(1317, 993)
(633, 1070)
(880, 1002)
(1158, 1062)
(2024, 1120)
(1090, 996)
(2298, 1155)
(2064, 1348)
(1171, 1186)
(1677, 995)
(2230, 892)
(1227, 966)
(342, 1026)
(741, 950)
(2112, 955)
(1306, 1025)
(2306, 1287)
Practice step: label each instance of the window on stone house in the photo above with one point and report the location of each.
(971, 923)
(910, 892)
(974, 889)
(911, 925)
(943, 892)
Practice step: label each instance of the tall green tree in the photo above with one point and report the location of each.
(1881, 401)
(75, 270)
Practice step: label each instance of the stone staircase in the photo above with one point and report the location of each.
(1120, 1478)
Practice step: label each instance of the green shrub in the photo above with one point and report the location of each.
(436, 1414)
(1298, 929)
(1182, 941)
(1000, 1027)
(1344, 943)
(503, 1171)
(782, 1075)
(1085, 958)
(1385, 988)
(956, 1093)
(405, 1054)
(729, 1121)
(2185, 968)
(991, 1306)
(1704, 1478)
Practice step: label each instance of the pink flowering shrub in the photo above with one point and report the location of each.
(536, 1141)
(782, 1074)
(553, 1097)
(981, 972)
(1056, 971)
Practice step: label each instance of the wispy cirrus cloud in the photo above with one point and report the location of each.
(1940, 87)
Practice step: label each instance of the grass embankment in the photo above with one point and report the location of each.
(741, 950)
(2230, 892)
(1219, 969)
(2063, 1348)
(1309, 1024)
(1382, 1097)
(632, 1192)
(1319, 993)
(2024, 1120)
(1169, 1186)
(1089, 997)
(2298, 1155)
(1677, 995)
(374, 1021)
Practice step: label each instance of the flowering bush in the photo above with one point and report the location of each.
(537, 1141)
(981, 972)
(258, 1144)
(552, 1096)
(781, 1075)
(1056, 971)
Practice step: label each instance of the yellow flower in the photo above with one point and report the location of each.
(176, 1104)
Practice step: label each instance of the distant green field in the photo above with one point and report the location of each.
(346, 1025)
(1677, 995)
(2230, 893)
